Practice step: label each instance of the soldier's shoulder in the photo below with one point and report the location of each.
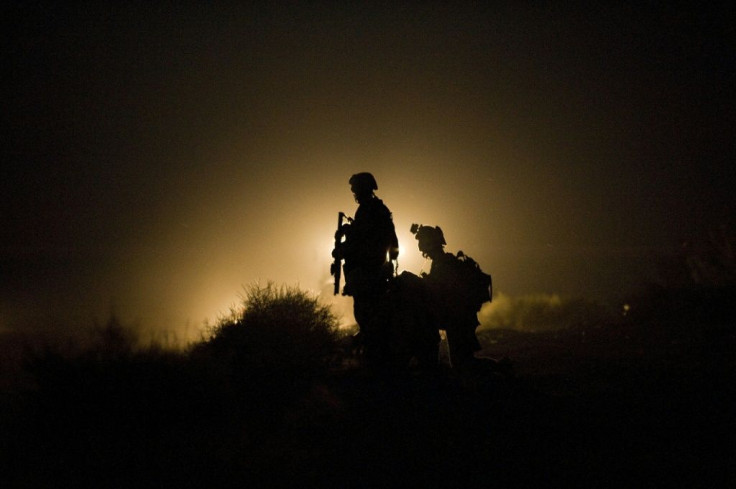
(445, 266)
(447, 258)
(378, 208)
(442, 264)
(378, 203)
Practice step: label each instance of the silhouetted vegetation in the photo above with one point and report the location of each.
(260, 401)
(275, 329)
(272, 347)
(114, 407)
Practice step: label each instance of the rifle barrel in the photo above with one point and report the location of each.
(337, 264)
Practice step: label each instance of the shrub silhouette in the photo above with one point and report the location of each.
(278, 336)
(111, 407)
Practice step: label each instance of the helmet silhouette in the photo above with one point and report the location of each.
(429, 237)
(363, 181)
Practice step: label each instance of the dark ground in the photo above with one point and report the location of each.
(612, 406)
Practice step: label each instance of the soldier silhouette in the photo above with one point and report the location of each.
(453, 309)
(370, 249)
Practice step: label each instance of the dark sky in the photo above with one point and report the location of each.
(157, 158)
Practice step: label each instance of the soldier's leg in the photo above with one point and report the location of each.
(462, 344)
(427, 354)
(366, 308)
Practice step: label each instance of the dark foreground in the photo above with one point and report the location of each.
(596, 408)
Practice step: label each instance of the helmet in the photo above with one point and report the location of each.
(364, 181)
(429, 237)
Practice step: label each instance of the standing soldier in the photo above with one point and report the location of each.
(454, 308)
(369, 250)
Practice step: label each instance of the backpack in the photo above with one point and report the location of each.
(478, 284)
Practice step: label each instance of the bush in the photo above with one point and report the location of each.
(114, 408)
(278, 332)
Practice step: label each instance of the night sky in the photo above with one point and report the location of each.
(157, 159)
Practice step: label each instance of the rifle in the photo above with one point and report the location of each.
(336, 267)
